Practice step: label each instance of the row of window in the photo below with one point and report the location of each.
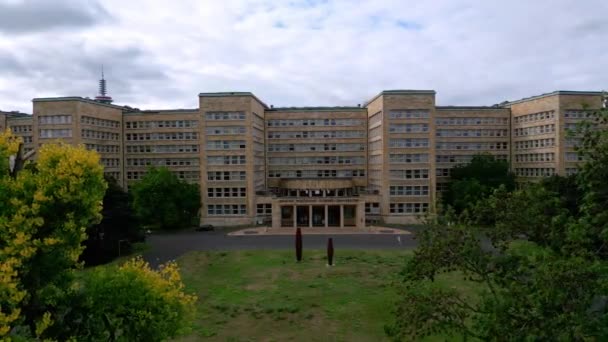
(100, 135)
(315, 173)
(471, 133)
(226, 192)
(226, 175)
(573, 156)
(110, 162)
(225, 116)
(21, 128)
(534, 130)
(27, 139)
(163, 136)
(443, 172)
(535, 171)
(315, 134)
(576, 114)
(225, 130)
(408, 143)
(226, 160)
(162, 161)
(550, 114)
(409, 174)
(264, 209)
(464, 158)
(226, 145)
(536, 143)
(226, 209)
(573, 142)
(472, 121)
(184, 175)
(401, 158)
(535, 157)
(409, 114)
(89, 120)
(472, 146)
(161, 124)
(372, 208)
(56, 133)
(408, 208)
(314, 122)
(162, 148)
(409, 190)
(315, 147)
(55, 120)
(103, 148)
(408, 128)
(346, 160)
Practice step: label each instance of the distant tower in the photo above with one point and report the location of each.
(102, 97)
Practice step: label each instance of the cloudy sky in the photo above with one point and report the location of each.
(161, 54)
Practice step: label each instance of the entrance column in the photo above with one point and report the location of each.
(310, 216)
(326, 217)
(341, 216)
(295, 216)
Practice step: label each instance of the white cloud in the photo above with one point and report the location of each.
(161, 54)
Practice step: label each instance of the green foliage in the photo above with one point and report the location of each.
(162, 201)
(472, 182)
(44, 214)
(544, 275)
(131, 303)
(118, 226)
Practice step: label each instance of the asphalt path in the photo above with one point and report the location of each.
(169, 246)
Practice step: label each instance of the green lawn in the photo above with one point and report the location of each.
(266, 296)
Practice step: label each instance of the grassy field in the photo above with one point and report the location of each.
(266, 296)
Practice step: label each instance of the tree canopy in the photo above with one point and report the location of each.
(163, 201)
(476, 180)
(45, 210)
(544, 274)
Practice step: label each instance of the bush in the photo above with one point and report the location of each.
(131, 303)
(163, 201)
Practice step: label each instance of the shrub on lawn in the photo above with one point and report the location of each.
(131, 303)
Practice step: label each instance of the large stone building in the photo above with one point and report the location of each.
(313, 166)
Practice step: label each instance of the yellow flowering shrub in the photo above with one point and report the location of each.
(128, 303)
(44, 214)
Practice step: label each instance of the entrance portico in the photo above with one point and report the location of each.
(332, 213)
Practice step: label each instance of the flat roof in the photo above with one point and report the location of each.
(554, 93)
(131, 111)
(401, 92)
(316, 109)
(233, 93)
(470, 108)
(75, 98)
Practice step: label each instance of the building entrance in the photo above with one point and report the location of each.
(318, 215)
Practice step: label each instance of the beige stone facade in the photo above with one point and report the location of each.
(314, 166)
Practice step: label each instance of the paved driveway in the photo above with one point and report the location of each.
(165, 247)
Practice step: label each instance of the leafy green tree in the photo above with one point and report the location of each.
(545, 275)
(127, 303)
(118, 228)
(474, 181)
(162, 201)
(44, 212)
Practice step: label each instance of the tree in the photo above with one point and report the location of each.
(118, 228)
(474, 181)
(545, 277)
(162, 201)
(45, 210)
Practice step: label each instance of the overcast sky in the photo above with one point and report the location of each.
(161, 54)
